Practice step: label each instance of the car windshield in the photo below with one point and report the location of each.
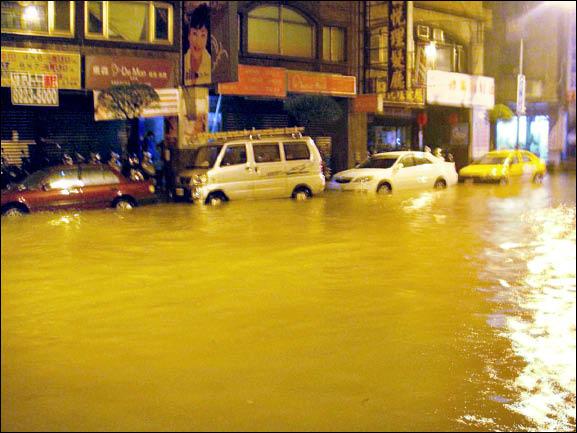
(34, 181)
(382, 162)
(491, 160)
(206, 156)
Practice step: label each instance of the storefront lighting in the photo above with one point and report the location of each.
(31, 13)
(431, 52)
(562, 4)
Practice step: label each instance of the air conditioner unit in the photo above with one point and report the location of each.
(423, 32)
(438, 35)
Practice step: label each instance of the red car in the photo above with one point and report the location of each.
(76, 186)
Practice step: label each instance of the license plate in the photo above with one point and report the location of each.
(470, 180)
(179, 191)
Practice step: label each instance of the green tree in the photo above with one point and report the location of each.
(128, 101)
(313, 108)
(498, 112)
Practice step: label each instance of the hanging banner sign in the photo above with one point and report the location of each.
(34, 89)
(167, 106)
(520, 107)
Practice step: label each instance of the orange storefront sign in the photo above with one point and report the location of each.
(319, 83)
(257, 81)
(368, 103)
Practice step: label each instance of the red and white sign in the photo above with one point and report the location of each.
(34, 89)
(460, 90)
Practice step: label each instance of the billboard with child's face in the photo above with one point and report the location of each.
(209, 42)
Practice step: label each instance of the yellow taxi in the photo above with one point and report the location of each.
(503, 166)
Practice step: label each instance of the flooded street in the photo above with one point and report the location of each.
(437, 311)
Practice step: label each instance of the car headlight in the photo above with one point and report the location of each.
(199, 179)
(363, 179)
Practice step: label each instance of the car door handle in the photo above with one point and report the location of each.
(249, 169)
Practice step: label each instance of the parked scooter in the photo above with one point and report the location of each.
(95, 158)
(10, 173)
(114, 162)
(131, 169)
(147, 167)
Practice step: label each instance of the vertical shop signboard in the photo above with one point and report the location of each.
(397, 45)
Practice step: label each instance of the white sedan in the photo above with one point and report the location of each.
(393, 171)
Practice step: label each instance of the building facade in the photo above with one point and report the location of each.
(295, 53)
(546, 123)
(423, 79)
(87, 46)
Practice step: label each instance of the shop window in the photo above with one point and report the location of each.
(333, 44)
(448, 57)
(378, 48)
(444, 60)
(279, 30)
(43, 18)
(129, 21)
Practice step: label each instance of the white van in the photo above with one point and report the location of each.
(255, 164)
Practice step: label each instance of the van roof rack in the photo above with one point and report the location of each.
(251, 134)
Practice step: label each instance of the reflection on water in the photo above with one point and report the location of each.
(542, 330)
(441, 311)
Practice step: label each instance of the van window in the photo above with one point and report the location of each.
(234, 155)
(296, 150)
(266, 152)
(206, 156)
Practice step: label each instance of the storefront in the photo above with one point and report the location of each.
(457, 112)
(257, 100)
(392, 119)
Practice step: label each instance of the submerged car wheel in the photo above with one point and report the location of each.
(215, 199)
(440, 184)
(123, 204)
(301, 194)
(384, 189)
(12, 211)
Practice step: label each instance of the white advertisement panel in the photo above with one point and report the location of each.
(460, 90)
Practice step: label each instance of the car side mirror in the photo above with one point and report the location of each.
(45, 187)
(399, 166)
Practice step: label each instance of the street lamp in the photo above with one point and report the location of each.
(520, 105)
(30, 14)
